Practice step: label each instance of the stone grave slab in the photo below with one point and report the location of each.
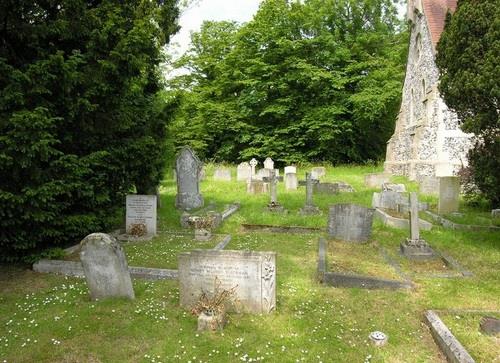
(254, 274)
(449, 192)
(375, 180)
(243, 172)
(188, 166)
(140, 217)
(350, 222)
(222, 174)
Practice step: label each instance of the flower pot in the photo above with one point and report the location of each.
(211, 320)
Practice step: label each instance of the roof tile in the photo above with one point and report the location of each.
(435, 12)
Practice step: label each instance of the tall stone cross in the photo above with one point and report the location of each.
(309, 189)
(415, 247)
(272, 187)
(253, 164)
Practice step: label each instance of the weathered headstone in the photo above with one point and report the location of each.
(350, 222)
(389, 200)
(243, 172)
(291, 178)
(309, 208)
(253, 163)
(415, 247)
(318, 172)
(375, 180)
(263, 173)
(222, 174)
(268, 163)
(495, 213)
(429, 185)
(400, 188)
(273, 205)
(325, 188)
(140, 217)
(105, 267)
(255, 186)
(449, 191)
(253, 274)
(188, 168)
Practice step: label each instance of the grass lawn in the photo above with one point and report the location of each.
(49, 318)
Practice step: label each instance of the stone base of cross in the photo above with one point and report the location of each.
(309, 210)
(417, 249)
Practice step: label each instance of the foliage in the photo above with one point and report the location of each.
(469, 60)
(216, 302)
(81, 122)
(311, 80)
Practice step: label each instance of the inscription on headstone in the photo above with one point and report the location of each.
(449, 191)
(140, 214)
(254, 274)
(350, 222)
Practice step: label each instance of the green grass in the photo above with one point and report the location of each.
(49, 318)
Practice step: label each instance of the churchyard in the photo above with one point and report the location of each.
(47, 317)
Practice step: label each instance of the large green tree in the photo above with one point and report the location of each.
(303, 80)
(81, 120)
(469, 61)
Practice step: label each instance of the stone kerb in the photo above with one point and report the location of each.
(399, 223)
(350, 222)
(254, 274)
(105, 267)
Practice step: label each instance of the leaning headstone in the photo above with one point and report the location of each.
(291, 178)
(415, 247)
(449, 191)
(350, 222)
(375, 180)
(268, 163)
(188, 168)
(243, 172)
(318, 172)
(222, 174)
(253, 274)
(140, 219)
(309, 208)
(400, 188)
(253, 163)
(429, 185)
(105, 267)
(389, 200)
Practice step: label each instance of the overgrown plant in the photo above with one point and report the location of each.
(216, 302)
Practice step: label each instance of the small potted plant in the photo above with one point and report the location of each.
(211, 307)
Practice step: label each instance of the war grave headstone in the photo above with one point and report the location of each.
(375, 180)
(273, 205)
(140, 217)
(291, 182)
(105, 267)
(269, 164)
(416, 247)
(350, 222)
(187, 166)
(318, 172)
(449, 191)
(222, 174)
(253, 273)
(309, 208)
(243, 172)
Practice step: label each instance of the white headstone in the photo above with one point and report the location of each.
(253, 163)
(243, 172)
(268, 163)
(222, 174)
(290, 170)
(140, 214)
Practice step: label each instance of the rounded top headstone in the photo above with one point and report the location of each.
(268, 163)
(290, 170)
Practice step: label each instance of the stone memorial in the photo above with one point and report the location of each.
(495, 214)
(415, 247)
(273, 205)
(269, 164)
(350, 222)
(309, 208)
(188, 167)
(263, 173)
(105, 267)
(291, 182)
(253, 163)
(255, 186)
(140, 218)
(429, 185)
(389, 200)
(325, 188)
(222, 174)
(243, 172)
(375, 180)
(318, 172)
(253, 273)
(400, 188)
(449, 191)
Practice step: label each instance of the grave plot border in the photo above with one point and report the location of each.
(246, 227)
(400, 223)
(446, 223)
(337, 279)
(220, 216)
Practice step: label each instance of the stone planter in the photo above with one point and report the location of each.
(211, 320)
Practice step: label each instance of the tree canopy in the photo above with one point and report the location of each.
(81, 119)
(302, 81)
(469, 61)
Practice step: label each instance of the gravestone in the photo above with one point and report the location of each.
(105, 267)
(222, 174)
(243, 172)
(490, 325)
(273, 205)
(269, 164)
(429, 185)
(350, 222)
(257, 187)
(309, 208)
(263, 173)
(389, 200)
(253, 274)
(318, 172)
(140, 219)
(253, 163)
(415, 247)
(291, 178)
(400, 188)
(495, 214)
(375, 180)
(449, 191)
(187, 166)
(325, 188)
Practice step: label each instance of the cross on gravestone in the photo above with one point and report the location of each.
(253, 164)
(272, 180)
(309, 207)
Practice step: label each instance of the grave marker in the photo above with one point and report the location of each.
(291, 178)
(243, 172)
(309, 208)
(222, 174)
(449, 191)
(253, 163)
(350, 222)
(187, 166)
(140, 217)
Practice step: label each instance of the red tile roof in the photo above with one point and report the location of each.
(435, 12)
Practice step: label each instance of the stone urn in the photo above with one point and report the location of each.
(211, 320)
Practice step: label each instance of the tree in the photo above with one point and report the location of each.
(81, 120)
(468, 56)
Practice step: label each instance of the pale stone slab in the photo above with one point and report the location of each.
(268, 163)
(290, 170)
(375, 180)
(188, 166)
(401, 188)
(318, 172)
(222, 174)
(389, 200)
(243, 171)
(254, 274)
(141, 214)
(105, 267)
(350, 222)
(449, 191)
(291, 182)
(257, 187)
(429, 185)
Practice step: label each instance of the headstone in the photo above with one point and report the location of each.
(449, 191)
(268, 163)
(263, 173)
(105, 267)
(350, 222)
(243, 172)
(290, 170)
(222, 174)
(257, 187)
(253, 163)
(188, 168)
(273, 205)
(415, 247)
(291, 178)
(309, 208)
(325, 188)
(490, 325)
(318, 172)
(400, 188)
(253, 274)
(202, 174)
(375, 180)
(140, 217)
(495, 213)
(389, 200)
(429, 185)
